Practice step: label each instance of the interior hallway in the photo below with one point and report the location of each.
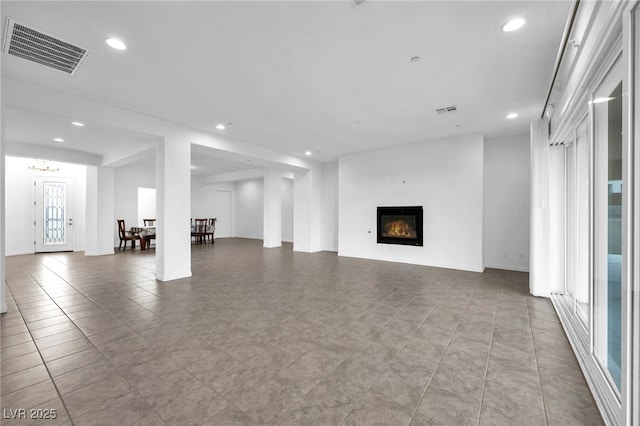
(261, 336)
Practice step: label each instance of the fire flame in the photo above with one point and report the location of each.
(399, 229)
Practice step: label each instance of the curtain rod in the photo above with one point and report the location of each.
(565, 41)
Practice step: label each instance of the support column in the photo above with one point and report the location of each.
(100, 222)
(539, 284)
(307, 210)
(173, 209)
(272, 209)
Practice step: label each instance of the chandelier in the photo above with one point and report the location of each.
(43, 166)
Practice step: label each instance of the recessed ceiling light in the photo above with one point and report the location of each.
(415, 59)
(512, 115)
(77, 123)
(307, 153)
(58, 140)
(513, 24)
(116, 43)
(220, 127)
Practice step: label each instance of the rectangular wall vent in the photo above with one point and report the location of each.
(44, 49)
(447, 110)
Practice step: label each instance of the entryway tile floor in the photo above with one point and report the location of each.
(269, 336)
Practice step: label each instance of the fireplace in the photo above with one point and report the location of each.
(400, 225)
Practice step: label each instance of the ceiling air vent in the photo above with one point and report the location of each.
(356, 3)
(447, 110)
(36, 46)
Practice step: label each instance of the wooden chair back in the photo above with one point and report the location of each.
(122, 229)
(201, 225)
(149, 222)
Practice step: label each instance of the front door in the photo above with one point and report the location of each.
(54, 214)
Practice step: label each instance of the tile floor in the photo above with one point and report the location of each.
(268, 336)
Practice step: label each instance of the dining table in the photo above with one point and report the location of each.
(148, 233)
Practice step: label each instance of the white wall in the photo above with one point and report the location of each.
(506, 202)
(146, 204)
(203, 200)
(330, 206)
(127, 182)
(287, 210)
(19, 198)
(444, 176)
(250, 209)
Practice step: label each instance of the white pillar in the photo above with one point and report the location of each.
(173, 209)
(100, 222)
(3, 301)
(539, 233)
(272, 209)
(307, 210)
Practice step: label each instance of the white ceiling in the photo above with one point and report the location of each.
(26, 125)
(291, 76)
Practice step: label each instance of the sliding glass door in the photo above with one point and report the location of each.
(608, 220)
(592, 305)
(582, 288)
(599, 301)
(577, 209)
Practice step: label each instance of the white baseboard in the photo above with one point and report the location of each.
(178, 276)
(507, 267)
(104, 253)
(18, 253)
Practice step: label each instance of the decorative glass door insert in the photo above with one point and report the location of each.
(54, 214)
(54, 201)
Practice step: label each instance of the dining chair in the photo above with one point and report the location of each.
(149, 234)
(199, 231)
(211, 228)
(126, 235)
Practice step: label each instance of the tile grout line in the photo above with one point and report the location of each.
(535, 355)
(486, 371)
(111, 296)
(80, 330)
(351, 353)
(86, 337)
(388, 363)
(424, 392)
(44, 364)
(412, 335)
